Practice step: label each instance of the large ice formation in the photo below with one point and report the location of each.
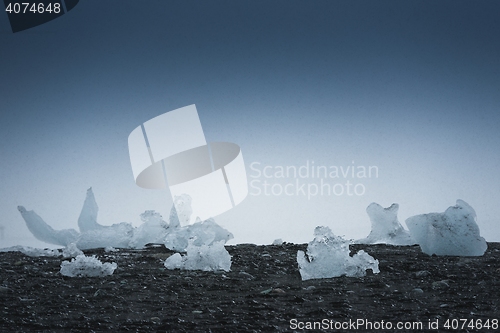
(124, 235)
(386, 228)
(86, 266)
(91, 235)
(212, 257)
(454, 232)
(44, 232)
(328, 256)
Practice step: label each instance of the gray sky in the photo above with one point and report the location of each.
(411, 87)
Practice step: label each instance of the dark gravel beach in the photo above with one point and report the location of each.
(263, 292)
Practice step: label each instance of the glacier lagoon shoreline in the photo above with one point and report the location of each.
(262, 291)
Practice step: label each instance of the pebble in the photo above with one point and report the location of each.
(267, 291)
(278, 291)
(417, 291)
(247, 275)
(440, 285)
(422, 274)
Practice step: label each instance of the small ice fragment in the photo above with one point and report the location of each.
(278, 241)
(86, 266)
(454, 232)
(174, 261)
(386, 228)
(328, 256)
(212, 257)
(109, 249)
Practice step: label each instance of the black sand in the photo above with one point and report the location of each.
(263, 292)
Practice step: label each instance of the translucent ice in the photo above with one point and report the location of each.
(116, 235)
(45, 232)
(94, 235)
(88, 216)
(454, 232)
(212, 257)
(202, 233)
(386, 228)
(124, 235)
(86, 266)
(152, 230)
(328, 256)
(71, 251)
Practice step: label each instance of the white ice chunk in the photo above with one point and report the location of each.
(278, 241)
(454, 232)
(174, 261)
(386, 228)
(86, 266)
(152, 230)
(202, 233)
(205, 257)
(328, 256)
(31, 251)
(109, 249)
(71, 251)
(44, 232)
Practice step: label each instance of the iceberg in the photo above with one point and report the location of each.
(453, 233)
(328, 256)
(86, 266)
(386, 229)
(212, 257)
(93, 235)
(45, 232)
(123, 235)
